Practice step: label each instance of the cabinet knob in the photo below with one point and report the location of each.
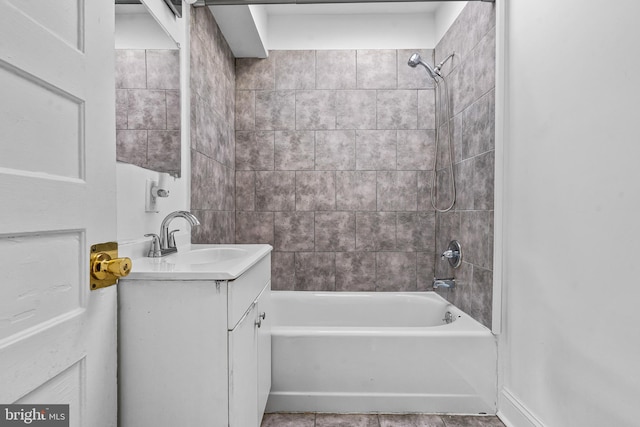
(258, 323)
(263, 315)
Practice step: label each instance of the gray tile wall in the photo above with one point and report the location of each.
(148, 109)
(334, 150)
(332, 156)
(213, 156)
(471, 77)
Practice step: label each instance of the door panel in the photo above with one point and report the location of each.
(57, 186)
(28, 281)
(62, 17)
(40, 123)
(61, 390)
(37, 355)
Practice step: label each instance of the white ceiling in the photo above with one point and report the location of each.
(353, 8)
(131, 9)
(323, 9)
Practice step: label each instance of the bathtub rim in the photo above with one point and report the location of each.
(295, 396)
(464, 325)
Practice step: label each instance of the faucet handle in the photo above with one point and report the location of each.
(171, 243)
(449, 254)
(154, 249)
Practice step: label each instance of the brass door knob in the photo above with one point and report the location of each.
(120, 266)
(102, 266)
(105, 265)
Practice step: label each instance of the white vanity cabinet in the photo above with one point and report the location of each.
(195, 352)
(250, 363)
(264, 349)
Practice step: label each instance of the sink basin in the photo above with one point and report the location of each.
(207, 256)
(199, 262)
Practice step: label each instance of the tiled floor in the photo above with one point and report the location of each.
(382, 420)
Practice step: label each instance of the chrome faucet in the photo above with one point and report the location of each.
(444, 283)
(165, 244)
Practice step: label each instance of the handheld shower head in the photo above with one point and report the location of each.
(415, 59)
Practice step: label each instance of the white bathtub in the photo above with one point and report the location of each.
(378, 352)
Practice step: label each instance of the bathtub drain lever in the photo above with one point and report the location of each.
(448, 318)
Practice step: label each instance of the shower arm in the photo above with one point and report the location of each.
(438, 67)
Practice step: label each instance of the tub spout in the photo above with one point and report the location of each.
(444, 283)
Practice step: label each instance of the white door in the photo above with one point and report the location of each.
(57, 197)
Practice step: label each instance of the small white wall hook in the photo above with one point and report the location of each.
(160, 189)
(155, 189)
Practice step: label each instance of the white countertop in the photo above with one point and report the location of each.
(190, 264)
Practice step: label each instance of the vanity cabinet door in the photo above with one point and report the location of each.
(264, 348)
(243, 371)
(250, 363)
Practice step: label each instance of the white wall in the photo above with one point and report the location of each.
(366, 31)
(250, 30)
(137, 29)
(445, 15)
(571, 342)
(244, 28)
(133, 221)
(171, 24)
(261, 21)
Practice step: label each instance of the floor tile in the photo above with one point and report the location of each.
(288, 420)
(471, 421)
(410, 420)
(382, 420)
(347, 420)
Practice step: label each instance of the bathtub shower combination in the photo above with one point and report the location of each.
(379, 352)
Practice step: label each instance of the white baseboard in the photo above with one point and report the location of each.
(514, 413)
(345, 403)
